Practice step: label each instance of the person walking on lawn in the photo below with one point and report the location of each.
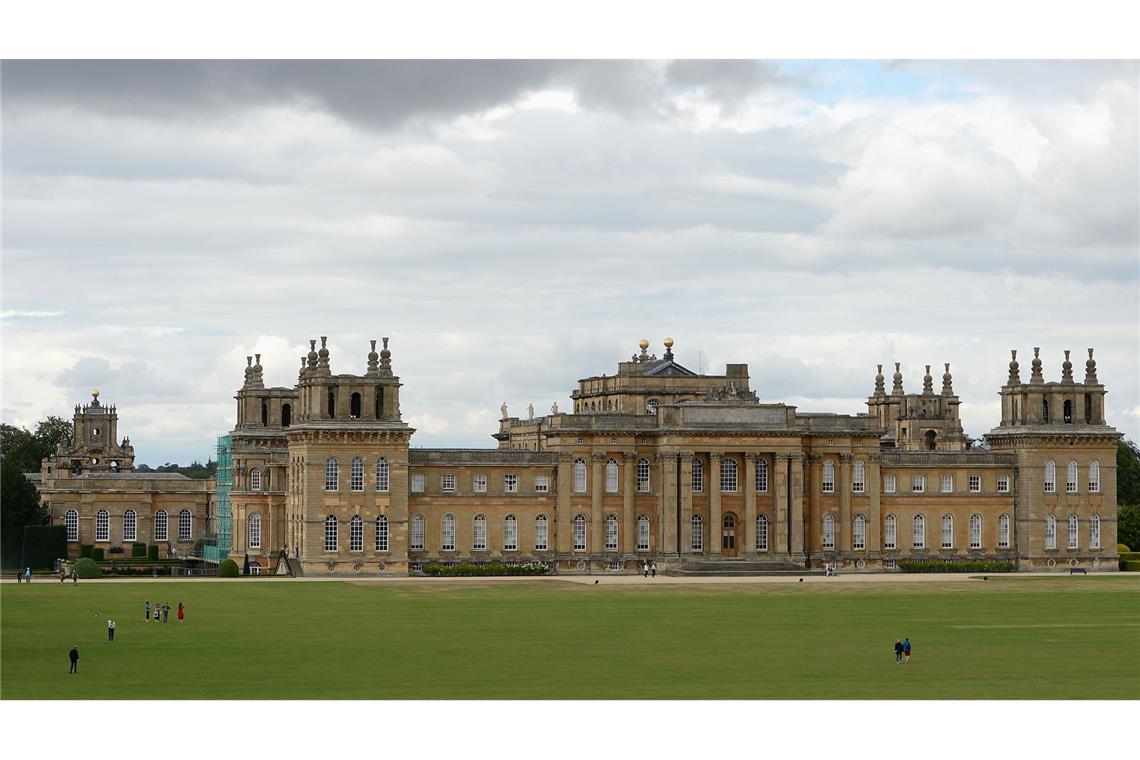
(906, 650)
(74, 656)
(898, 651)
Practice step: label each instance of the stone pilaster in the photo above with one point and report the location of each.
(749, 504)
(874, 519)
(811, 523)
(797, 520)
(628, 493)
(843, 540)
(712, 549)
(563, 525)
(668, 502)
(779, 476)
(597, 491)
(686, 498)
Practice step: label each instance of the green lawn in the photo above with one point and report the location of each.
(1010, 638)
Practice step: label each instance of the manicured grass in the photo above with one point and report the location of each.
(1011, 638)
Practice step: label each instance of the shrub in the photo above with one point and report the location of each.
(85, 567)
(43, 545)
(1122, 549)
(958, 566)
(138, 550)
(1131, 566)
(97, 554)
(152, 552)
(228, 569)
(115, 550)
(451, 571)
(86, 549)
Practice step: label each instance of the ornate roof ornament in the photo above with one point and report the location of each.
(927, 383)
(897, 389)
(1014, 369)
(880, 387)
(1090, 370)
(947, 382)
(1036, 378)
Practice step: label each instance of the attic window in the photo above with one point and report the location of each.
(94, 432)
(651, 406)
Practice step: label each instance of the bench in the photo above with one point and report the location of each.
(1075, 570)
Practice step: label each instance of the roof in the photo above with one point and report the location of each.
(666, 368)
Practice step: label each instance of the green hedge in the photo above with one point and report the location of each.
(958, 566)
(1122, 549)
(227, 568)
(152, 552)
(1129, 556)
(43, 545)
(97, 554)
(86, 568)
(529, 568)
(1131, 566)
(86, 549)
(138, 550)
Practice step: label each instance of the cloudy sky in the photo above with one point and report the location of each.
(515, 226)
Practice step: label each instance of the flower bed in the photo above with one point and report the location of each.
(451, 571)
(958, 566)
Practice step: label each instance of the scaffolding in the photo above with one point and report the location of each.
(223, 508)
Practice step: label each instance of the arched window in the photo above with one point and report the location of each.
(161, 526)
(828, 531)
(354, 406)
(1045, 410)
(611, 476)
(1094, 476)
(1071, 477)
(697, 533)
(286, 415)
(1050, 476)
(828, 476)
(1094, 532)
(447, 534)
(71, 520)
(858, 477)
(417, 533)
(381, 533)
(510, 533)
(332, 474)
(479, 534)
(611, 532)
(947, 532)
(975, 531)
(356, 533)
(264, 414)
(255, 531)
(728, 475)
(356, 473)
(331, 533)
(643, 476)
(859, 533)
(727, 532)
(651, 406)
(1050, 532)
(919, 532)
(761, 476)
(931, 440)
(255, 479)
(698, 484)
(382, 475)
(332, 404)
(541, 533)
(130, 525)
(890, 532)
(184, 525)
(762, 533)
(1003, 531)
(1073, 532)
(579, 476)
(643, 532)
(579, 532)
(102, 525)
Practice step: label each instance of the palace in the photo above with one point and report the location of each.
(654, 462)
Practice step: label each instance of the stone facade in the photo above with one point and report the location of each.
(659, 462)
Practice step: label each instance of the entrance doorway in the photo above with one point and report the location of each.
(728, 535)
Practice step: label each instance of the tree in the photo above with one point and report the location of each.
(1127, 474)
(52, 432)
(1128, 526)
(19, 506)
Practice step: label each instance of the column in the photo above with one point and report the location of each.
(796, 486)
(814, 516)
(713, 547)
(686, 499)
(843, 540)
(778, 541)
(564, 511)
(874, 540)
(667, 514)
(597, 489)
(628, 493)
(749, 532)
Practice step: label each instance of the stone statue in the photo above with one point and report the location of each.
(554, 408)
(503, 410)
(530, 411)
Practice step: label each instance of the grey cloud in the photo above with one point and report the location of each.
(132, 380)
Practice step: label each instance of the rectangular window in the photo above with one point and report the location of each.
(184, 523)
(417, 484)
(1003, 484)
(103, 525)
(889, 484)
(511, 483)
(611, 534)
(889, 538)
(643, 476)
(761, 476)
(975, 532)
(947, 484)
(1073, 529)
(1003, 532)
(356, 535)
(447, 536)
(888, 564)
(161, 526)
(643, 534)
(829, 477)
(947, 534)
(479, 535)
(511, 535)
(918, 484)
(479, 484)
(541, 483)
(447, 482)
(579, 534)
(382, 534)
(417, 533)
(541, 534)
(975, 484)
(130, 526)
(859, 537)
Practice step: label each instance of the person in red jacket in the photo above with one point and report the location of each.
(180, 612)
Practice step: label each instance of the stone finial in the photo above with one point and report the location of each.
(668, 349)
(897, 388)
(257, 377)
(1014, 369)
(385, 359)
(248, 372)
(644, 355)
(554, 408)
(301, 374)
(323, 354)
(1036, 378)
(880, 388)
(530, 411)
(927, 383)
(1090, 370)
(1066, 369)
(373, 359)
(947, 382)
(312, 354)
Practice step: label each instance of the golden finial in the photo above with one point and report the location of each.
(643, 343)
(668, 343)
(95, 393)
